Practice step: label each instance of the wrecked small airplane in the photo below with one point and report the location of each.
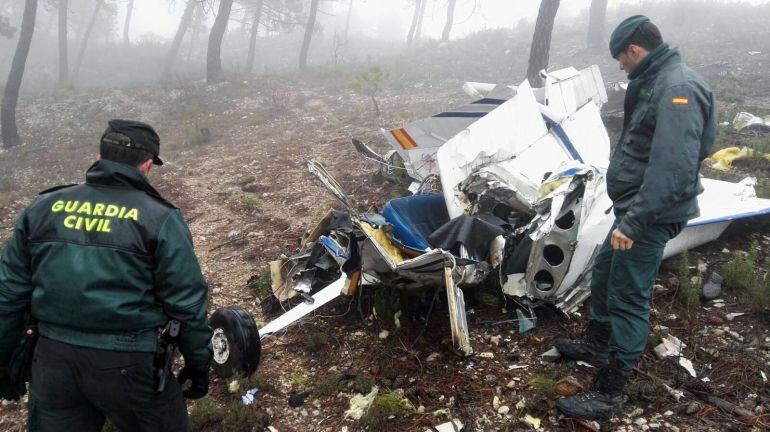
(510, 186)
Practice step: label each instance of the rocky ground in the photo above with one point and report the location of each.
(235, 157)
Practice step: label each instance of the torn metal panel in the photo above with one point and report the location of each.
(567, 90)
(417, 142)
(457, 317)
(321, 298)
(329, 183)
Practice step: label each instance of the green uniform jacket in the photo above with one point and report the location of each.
(669, 128)
(104, 265)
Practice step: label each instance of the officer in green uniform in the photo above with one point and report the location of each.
(653, 181)
(101, 267)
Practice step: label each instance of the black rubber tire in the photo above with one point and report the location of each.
(243, 342)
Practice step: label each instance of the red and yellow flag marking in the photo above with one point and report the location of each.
(403, 138)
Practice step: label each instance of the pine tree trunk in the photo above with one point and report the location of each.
(347, 22)
(308, 35)
(418, 30)
(184, 24)
(127, 24)
(10, 133)
(541, 41)
(413, 26)
(450, 15)
(64, 71)
(596, 20)
(214, 52)
(86, 36)
(253, 39)
(196, 24)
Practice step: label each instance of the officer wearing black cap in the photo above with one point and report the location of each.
(670, 117)
(101, 268)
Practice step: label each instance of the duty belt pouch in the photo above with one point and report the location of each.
(20, 366)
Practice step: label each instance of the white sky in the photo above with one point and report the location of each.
(155, 16)
(382, 18)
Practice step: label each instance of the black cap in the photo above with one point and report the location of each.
(133, 134)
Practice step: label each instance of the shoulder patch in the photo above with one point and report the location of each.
(55, 188)
(680, 100)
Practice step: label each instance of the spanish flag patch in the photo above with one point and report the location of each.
(680, 101)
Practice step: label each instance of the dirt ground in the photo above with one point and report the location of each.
(236, 156)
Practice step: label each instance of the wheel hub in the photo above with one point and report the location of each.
(220, 346)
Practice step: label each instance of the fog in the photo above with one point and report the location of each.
(377, 30)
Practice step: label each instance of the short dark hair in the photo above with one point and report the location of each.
(647, 35)
(118, 148)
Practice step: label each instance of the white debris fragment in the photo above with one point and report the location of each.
(582, 363)
(384, 334)
(397, 320)
(248, 398)
(495, 340)
(687, 365)
(534, 421)
(515, 367)
(359, 404)
(487, 355)
(495, 402)
(733, 315)
(454, 426)
(670, 346)
(551, 355)
(764, 376)
(675, 393)
(702, 267)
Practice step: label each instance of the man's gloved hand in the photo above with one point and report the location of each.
(9, 390)
(199, 381)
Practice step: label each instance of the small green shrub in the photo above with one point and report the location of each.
(646, 391)
(317, 341)
(328, 385)
(542, 384)
(260, 284)
(251, 200)
(369, 83)
(740, 272)
(302, 380)
(384, 406)
(688, 292)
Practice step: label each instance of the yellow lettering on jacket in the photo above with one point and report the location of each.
(91, 223)
(69, 221)
(71, 206)
(98, 209)
(85, 208)
(112, 211)
(132, 214)
(95, 217)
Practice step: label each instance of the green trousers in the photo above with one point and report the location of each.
(621, 286)
(75, 389)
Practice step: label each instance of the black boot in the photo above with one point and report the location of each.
(592, 347)
(604, 400)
